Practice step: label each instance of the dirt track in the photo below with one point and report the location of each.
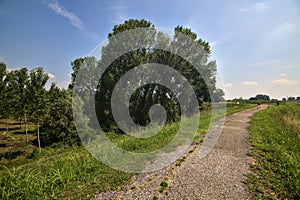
(219, 175)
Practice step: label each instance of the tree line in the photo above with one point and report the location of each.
(24, 98)
(23, 95)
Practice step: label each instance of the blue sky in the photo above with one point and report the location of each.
(256, 43)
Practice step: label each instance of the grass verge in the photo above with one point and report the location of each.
(274, 136)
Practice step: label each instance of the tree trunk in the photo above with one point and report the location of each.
(20, 119)
(6, 126)
(38, 130)
(26, 128)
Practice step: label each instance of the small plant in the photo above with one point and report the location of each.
(180, 161)
(133, 187)
(163, 186)
(155, 198)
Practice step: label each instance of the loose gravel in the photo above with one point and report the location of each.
(220, 175)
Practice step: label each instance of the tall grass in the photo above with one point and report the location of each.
(76, 170)
(276, 150)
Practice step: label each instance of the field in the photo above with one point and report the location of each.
(70, 172)
(275, 139)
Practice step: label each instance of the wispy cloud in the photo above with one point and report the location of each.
(288, 66)
(119, 12)
(2, 12)
(51, 76)
(249, 83)
(268, 62)
(284, 28)
(255, 7)
(283, 81)
(2, 59)
(214, 44)
(60, 10)
(228, 85)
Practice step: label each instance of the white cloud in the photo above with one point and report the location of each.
(244, 89)
(284, 28)
(249, 83)
(10, 69)
(283, 75)
(283, 87)
(119, 12)
(255, 7)
(283, 81)
(228, 85)
(213, 44)
(260, 6)
(60, 10)
(51, 76)
(288, 66)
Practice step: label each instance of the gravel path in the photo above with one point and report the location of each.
(219, 175)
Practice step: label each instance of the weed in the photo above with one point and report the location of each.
(163, 186)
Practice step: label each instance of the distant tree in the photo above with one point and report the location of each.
(298, 99)
(260, 97)
(291, 98)
(218, 95)
(37, 98)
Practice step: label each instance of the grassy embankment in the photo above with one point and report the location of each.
(275, 137)
(71, 172)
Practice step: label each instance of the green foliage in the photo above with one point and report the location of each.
(276, 144)
(60, 176)
(3, 72)
(260, 97)
(37, 93)
(149, 94)
(58, 125)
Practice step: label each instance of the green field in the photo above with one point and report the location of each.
(70, 172)
(275, 137)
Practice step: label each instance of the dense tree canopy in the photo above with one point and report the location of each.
(260, 97)
(153, 43)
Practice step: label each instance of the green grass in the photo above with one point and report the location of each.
(60, 176)
(63, 172)
(275, 137)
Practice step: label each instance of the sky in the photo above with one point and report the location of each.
(256, 44)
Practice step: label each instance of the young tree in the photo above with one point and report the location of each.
(36, 97)
(3, 72)
(58, 125)
(9, 96)
(22, 79)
